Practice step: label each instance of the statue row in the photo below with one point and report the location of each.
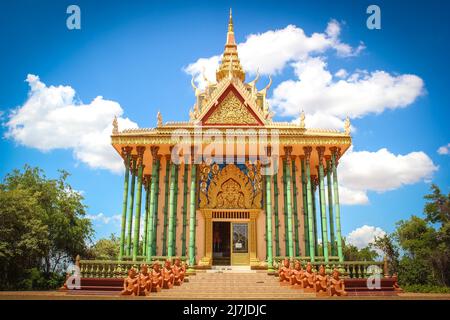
(144, 282)
(310, 281)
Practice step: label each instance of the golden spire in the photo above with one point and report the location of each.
(230, 59)
(230, 23)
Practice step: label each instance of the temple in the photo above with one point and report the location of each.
(231, 186)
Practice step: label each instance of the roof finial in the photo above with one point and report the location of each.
(230, 22)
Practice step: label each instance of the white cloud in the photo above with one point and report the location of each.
(52, 118)
(341, 73)
(361, 93)
(363, 236)
(444, 149)
(380, 171)
(102, 218)
(272, 50)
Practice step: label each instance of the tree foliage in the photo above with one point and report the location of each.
(42, 227)
(105, 249)
(425, 243)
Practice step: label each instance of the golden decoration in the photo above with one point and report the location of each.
(231, 111)
(230, 189)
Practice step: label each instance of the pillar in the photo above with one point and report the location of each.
(175, 216)
(166, 206)
(285, 209)
(185, 209)
(269, 214)
(314, 183)
(131, 204)
(334, 156)
(126, 153)
(172, 209)
(330, 206)
(323, 208)
(305, 206)
(137, 217)
(294, 200)
(147, 182)
(307, 151)
(275, 215)
(192, 211)
(156, 206)
(288, 151)
(153, 197)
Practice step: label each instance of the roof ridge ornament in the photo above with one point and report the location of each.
(159, 119)
(347, 126)
(115, 125)
(302, 119)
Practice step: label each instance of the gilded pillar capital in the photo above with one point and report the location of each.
(154, 151)
(336, 151)
(321, 153)
(287, 151)
(126, 151)
(307, 151)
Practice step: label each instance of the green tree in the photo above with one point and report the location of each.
(390, 250)
(105, 249)
(42, 226)
(352, 253)
(425, 243)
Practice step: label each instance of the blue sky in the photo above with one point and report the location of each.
(135, 54)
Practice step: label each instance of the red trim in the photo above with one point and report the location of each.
(231, 87)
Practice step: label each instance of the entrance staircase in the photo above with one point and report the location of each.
(231, 284)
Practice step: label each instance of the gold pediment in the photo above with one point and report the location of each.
(230, 188)
(231, 111)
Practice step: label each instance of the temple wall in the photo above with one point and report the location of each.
(261, 236)
(200, 237)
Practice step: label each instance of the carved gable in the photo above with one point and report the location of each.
(231, 111)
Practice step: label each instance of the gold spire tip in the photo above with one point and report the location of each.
(230, 22)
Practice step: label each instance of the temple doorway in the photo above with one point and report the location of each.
(221, 244)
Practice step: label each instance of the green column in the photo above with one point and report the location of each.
(185, 196)
(294, 183)
(275, 215)
(285, 211)
(137, 217)
(147, 206)
(166, 206)
(124, 207)
(150, 250)
(289, 203)
(305, 207)
(155, 216)
(192, 217)
(170, 249)
(336, 206)
(269, 222)
(310, 203)
(323, 207)
(131, 206)
(330, 208)
(175, 218)
(314, 213)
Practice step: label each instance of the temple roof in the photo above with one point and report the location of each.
(230, 103)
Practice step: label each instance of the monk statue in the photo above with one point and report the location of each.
(145, 281)
(297, 275)
(178, 272)
(131, 284)
(321, 285)
(309, 278)
(337, 286)
(168, 276)
(156, 277)
(284, 272)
